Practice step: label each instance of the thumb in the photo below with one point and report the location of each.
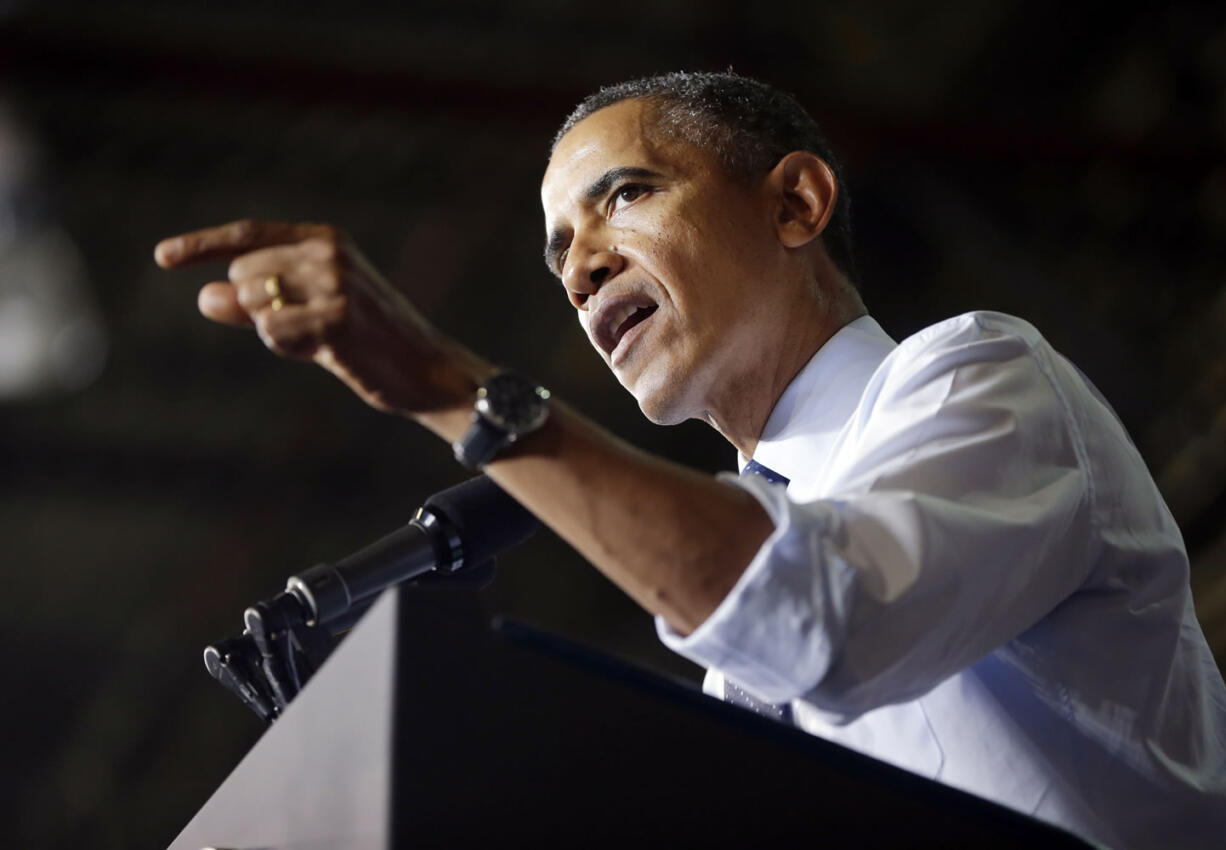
(219, 301)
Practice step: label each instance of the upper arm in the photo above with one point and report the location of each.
(962, 512)
(954, 516)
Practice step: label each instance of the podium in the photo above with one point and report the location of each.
(428, 727)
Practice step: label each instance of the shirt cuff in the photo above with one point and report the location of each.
(774, 634)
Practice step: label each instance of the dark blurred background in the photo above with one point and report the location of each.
(159, 473)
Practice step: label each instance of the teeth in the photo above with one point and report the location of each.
(618, 316)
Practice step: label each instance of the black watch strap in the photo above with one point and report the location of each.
(481, 443)
(509, 405)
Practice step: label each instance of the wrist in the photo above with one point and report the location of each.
(509, 407)
(450, 423)
(455, 376)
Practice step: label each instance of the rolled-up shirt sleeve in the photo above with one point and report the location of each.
(955, 514)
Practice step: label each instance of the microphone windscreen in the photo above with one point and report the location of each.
(488, 521)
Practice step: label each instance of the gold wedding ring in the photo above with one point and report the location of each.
(272, 286)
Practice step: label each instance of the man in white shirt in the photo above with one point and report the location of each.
(968, 573)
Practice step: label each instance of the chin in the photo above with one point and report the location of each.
(663, 403)
(661, 416)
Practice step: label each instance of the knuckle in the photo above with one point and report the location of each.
(310, 280)
(330, 280)
(246, 298)
(275, 336)
(323, 249)
(242, 230)
(237, 269)
(322, 277)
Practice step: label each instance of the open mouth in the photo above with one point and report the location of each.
(617, 318)
(639, 315)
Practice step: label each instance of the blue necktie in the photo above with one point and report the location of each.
(733, 693)
(752, 467)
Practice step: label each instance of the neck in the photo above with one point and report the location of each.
(741, 406)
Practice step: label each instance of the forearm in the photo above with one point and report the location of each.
(674, 539)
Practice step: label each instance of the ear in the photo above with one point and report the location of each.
(806, 192)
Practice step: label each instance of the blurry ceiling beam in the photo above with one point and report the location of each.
(42, 56)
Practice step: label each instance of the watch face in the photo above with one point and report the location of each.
(513, 403)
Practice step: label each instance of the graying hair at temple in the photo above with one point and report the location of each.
(746, 123)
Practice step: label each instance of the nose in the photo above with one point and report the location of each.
(586, 272)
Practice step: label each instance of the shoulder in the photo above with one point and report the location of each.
(969, 343)
(980, 326)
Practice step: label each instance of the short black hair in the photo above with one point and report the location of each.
(747, 124)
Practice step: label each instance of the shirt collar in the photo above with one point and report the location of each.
(808, 417)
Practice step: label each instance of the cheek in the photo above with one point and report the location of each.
(677, 257)
(583, 325)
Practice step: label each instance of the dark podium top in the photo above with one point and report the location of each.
(427, 728)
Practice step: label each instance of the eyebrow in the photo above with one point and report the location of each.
(598, 189)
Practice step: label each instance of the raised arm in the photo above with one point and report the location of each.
(673, 539)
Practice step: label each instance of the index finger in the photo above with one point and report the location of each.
(228, 241)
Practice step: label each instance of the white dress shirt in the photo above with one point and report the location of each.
(973, 576)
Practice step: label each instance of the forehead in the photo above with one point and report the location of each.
(615, 136)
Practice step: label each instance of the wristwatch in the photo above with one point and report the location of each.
(509, 405)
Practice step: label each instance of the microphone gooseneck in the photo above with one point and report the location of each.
(456, 531)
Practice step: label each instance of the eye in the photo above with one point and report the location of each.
(627, 194)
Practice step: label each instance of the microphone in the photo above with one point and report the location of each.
(457, 531)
